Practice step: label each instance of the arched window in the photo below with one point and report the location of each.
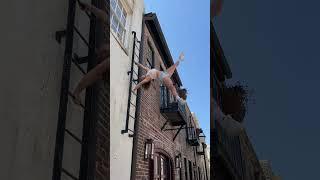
(162, 167)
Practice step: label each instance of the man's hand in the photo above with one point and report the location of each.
(84, 6)
(181, 56)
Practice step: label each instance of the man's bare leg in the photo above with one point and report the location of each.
(91, 77)
(145, 80)
(172, 68)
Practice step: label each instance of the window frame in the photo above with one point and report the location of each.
(114, 15)
(162, 167)
(186, 168)
(190, 170)
(150, 49)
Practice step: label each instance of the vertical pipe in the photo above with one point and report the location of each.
(205, 162)
(58, 154)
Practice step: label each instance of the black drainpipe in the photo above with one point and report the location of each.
(137, 113)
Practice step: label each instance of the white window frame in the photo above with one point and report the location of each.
(113, 14)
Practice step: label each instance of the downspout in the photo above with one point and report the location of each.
(205, 162)
(137, 113)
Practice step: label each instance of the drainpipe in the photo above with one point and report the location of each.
(205, 162)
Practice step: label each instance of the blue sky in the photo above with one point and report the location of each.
(273, 46)
(185, 24)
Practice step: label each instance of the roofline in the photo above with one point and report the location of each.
(224, 63)
(152, 18)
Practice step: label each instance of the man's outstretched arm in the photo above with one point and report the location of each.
(100, 14)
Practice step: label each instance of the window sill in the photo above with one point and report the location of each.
(120, 43)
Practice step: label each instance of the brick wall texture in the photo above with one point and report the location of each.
(103, 133)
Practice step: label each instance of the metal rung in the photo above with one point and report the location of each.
(132, 104)
(135, 73)
(73, 135)
(78, 66)
(81, 36)
(134, 93)
(136, 55)
(71, 95)
(132, 116)
(80, 4)
(130, 130)
(69, 174)
(138, 48)
(135, 81)
(89, 16)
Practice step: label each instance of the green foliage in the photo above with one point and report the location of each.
(235, 100)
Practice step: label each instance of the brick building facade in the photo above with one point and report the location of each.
(169, 146)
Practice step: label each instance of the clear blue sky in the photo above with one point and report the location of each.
(274, 47)
(185, 24)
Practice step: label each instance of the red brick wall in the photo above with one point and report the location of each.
(102, 154)
(150, 123)
(103, 134)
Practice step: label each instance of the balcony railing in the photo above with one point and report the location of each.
(193, 139)
(176, 113)
(193, 135)
(229, 148)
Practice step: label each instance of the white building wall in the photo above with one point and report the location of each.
(120, 61)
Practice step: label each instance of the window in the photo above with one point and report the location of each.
(118, 19)
(195, 175)
(161, 167)
(190, 170)
(191, 133)
(185, 168)
(150, 56)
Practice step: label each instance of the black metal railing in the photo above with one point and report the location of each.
(176, 113)
(173, 110)
(192, 135)
(229, 149)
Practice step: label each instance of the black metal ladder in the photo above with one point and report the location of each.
(133, 95)
(71, 58)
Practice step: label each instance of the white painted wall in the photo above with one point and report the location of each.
(120, 61)
(31, 62)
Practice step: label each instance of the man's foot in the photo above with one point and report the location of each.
(180, 100)
(181, 57)
(83, 6)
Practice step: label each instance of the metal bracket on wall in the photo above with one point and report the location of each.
(59, 35)
(183, 126)
(80, 60)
